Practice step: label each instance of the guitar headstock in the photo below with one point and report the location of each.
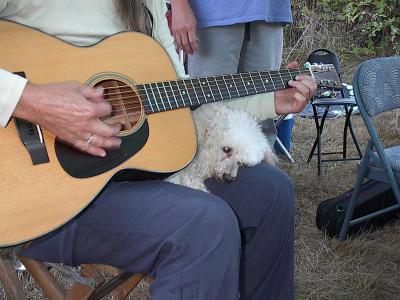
(325, 76)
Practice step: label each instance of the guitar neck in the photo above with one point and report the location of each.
(169, 95)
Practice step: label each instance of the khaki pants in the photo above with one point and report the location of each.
(233, 48)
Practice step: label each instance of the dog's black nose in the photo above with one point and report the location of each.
(227, 177)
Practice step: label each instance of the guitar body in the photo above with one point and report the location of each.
(37, 199)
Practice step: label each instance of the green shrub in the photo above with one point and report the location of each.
(365, 27)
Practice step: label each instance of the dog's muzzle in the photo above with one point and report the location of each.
(226, 177)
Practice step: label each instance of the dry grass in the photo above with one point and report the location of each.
(364, 267)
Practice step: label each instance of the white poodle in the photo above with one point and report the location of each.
(226, 140)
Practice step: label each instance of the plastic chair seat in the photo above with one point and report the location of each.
(393, 156)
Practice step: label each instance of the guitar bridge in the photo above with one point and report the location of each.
(31, 136)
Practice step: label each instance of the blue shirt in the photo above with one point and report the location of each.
(227, 12)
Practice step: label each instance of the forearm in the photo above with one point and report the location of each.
(260, 106)
(11, 89)
(162, 34)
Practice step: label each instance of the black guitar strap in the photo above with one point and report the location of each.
(31, 136)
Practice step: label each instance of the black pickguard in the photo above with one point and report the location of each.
(81, 165)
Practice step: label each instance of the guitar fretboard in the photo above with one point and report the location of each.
(169, 95)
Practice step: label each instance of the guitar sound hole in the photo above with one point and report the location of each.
(126, 104)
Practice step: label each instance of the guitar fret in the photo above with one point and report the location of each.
(175, 88)
(148, 98)
(290, 75)
(199, 91)
(244, 84)
(219, 90)
(272, 80)
(154, 96)
(283, 84)
(194, 91)
(262, 81)
(210, 95)
(187, 91)
(269, 82)
(254, 82)
(202, 87)
(249, 85)
(222, 88)
(162, 88)
(226, 85)
(215, 91)
(166, 95)
(239, 85)
(235, 85)
(183, 92)
(161, 98)
(173, 94)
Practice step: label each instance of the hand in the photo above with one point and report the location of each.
(71, 112)
(295, 98)
(184, 26)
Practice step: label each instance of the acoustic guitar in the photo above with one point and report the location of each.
(45, 183)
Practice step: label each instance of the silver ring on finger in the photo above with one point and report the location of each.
(90, 138)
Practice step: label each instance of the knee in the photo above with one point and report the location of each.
(281, 181)
(215, 226)
(271, 192)
(270, 181)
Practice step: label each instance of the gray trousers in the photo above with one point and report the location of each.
(231, 49)
(196, 245)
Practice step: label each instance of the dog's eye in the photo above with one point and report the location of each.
(239, 163)
(227, 150)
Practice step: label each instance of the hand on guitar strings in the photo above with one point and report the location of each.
(296, 97)
(72, 113)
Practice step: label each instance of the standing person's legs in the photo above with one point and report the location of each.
(219, 51)
(263, 51)
(187, 239)
(263, 200)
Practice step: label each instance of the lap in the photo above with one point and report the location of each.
(133, 219)
(257, 192)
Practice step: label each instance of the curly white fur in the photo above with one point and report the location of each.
(226, 139)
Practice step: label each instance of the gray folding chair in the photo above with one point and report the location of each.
(377, 89)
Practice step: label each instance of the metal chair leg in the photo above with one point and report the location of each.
(316, 139)
(353, 136)
(9, 278)
(346, 125)
(360, 177)
(319, 135)
(283, 148)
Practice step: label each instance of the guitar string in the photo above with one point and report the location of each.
(148, 106)
(223, 77)
(212, 86)
(160, 102)
(215, 78)
(173, 103)
(168, 96)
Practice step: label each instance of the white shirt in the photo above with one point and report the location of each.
(86, 22)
